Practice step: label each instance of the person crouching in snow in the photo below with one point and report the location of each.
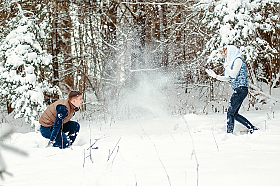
(55, 121)
(236, 71)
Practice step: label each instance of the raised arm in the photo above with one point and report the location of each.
(218, 77)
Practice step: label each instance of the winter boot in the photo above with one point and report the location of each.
(251, 130)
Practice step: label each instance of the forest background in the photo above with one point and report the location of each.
(133, 58)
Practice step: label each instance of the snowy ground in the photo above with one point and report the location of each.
(154, 152)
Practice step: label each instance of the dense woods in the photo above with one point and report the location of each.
(107, 48)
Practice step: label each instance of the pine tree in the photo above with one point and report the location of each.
(22, 82)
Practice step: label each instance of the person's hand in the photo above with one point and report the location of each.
(211, 73)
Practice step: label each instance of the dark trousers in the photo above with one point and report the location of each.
(66, 135)
(236, 100)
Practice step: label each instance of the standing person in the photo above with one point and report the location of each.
(55, 121)
(236, 71)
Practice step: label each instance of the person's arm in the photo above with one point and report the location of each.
(222, 78)
(236, 68)
(218, 77)
(62, 113)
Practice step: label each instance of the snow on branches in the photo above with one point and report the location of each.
(253, 26)
(22, 82)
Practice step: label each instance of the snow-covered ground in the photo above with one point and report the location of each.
(154, 152)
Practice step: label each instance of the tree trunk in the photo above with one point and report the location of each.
(55, 50)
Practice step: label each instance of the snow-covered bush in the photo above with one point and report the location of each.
(23, 71)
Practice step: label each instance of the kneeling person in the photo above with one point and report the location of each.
(55, 121)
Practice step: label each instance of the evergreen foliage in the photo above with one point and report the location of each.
(253, 26)
(24, 70)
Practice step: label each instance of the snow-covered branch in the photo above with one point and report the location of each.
(8, 148)
(257, 91)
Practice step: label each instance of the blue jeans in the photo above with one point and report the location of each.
(236, 100)
(66, 135)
